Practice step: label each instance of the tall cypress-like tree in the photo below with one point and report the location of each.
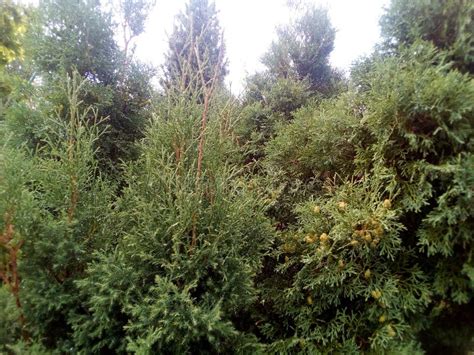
(190, 236)
(297, 71)
(197, 37)
(302, 50)
(53, 208)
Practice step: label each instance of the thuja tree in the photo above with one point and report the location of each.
(268, 102)
(12, 28)
(380, 254)
(190, 237)
(316, 146)
(297, 71)
(16, 206)
(302, 50)
(297, 60)
(195, 29)
(17, 209)
(53, 220)
(436, 145)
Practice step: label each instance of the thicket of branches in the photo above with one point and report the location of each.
(316, 213)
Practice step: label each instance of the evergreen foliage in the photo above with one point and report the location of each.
(12, 29)
(78, 36)
(302, 50)
(297, 73)
(305, 218)
(54, 210)
(446, 24)
(196, 37)
(12, 26)
(367, 256)
(189, 242)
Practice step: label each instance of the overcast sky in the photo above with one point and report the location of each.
(249, 28)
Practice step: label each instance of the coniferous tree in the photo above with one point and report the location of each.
(446, 24)
(302, 51)
(377, 253)
(196, 36)
(12, 29)
(79, 36)
(12, 25)
(297, 72)
(57, 218)
(347, 228)
(17, 208)
(189, 239)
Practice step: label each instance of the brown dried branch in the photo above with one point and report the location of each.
(73, 199)
(74, 123)
(208, 91)
(9, 270)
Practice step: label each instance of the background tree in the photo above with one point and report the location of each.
(196, 36)
(79, 36)
(297, 72)
(12, 27)
(133, 15)
(302, 51)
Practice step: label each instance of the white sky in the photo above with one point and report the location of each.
(249, 28)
